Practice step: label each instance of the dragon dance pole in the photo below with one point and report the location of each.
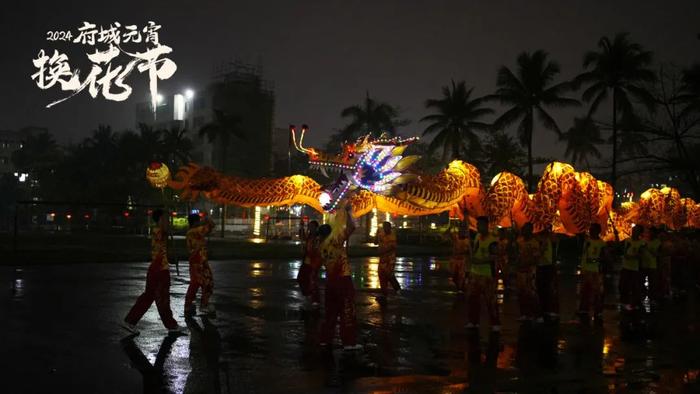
(158, 174)
(172, 238)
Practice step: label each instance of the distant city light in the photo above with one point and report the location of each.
(256, 222)
(22, 176)
(373, 223)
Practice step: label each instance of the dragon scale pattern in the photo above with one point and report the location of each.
(567, 200)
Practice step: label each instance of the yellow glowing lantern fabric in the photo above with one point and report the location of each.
(567, 200)
(158, 175)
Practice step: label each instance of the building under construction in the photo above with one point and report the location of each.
(237, 90)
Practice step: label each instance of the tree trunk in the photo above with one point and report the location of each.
(455, 149)
(613, 176)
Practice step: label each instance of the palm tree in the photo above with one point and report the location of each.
(529, 92)
(103, 136)
(151, 143)
(221, 130)
(455, 121)
(621, 67)
(502, 153)
(691, 89)
(370, 117)
(38, 151)
(39, 157)
(177, 146)
(581, 141)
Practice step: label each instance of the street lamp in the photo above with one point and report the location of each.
(189, 94)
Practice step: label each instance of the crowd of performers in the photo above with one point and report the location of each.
(656, 264)
(158, 274)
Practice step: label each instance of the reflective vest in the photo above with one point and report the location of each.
(632, 256)
(547, 252)
(590, 261)
(651, 253)
(481, 261)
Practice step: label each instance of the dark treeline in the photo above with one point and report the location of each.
(105, 167)
(636, 116)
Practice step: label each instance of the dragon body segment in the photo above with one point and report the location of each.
(192, 181)
(374, 174)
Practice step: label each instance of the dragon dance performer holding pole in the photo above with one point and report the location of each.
(386, 238)
(679, 265)
(592, 279)
(547, 279)
(502, 269)
(157, 281)
(481, 279)
(340, 293)
(630, 280)
(664, 262)
(308, 273)
(529, 252)
(461, 250)
(200, 271)
(650, 263)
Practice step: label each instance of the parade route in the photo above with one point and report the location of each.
(61, 334)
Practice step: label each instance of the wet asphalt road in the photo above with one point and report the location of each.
(59, 333)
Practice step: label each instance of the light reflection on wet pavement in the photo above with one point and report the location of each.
(59, 331)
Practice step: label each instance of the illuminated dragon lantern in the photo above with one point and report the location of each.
(566, 200)
(373, 173)
(370, 173)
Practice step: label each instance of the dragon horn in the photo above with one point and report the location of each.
(405, 178)
(405, 162)
(398, 151)
(300, 145)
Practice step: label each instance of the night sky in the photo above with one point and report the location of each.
(323, 55)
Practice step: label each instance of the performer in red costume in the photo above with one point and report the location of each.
(591, 272)
(340, 293)
(529, 252)
(157, 281)
(200, 271)
(386, 238)
(311, 264)
(461, 250)
(482, 284)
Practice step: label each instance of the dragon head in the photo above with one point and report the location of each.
(373, 164)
